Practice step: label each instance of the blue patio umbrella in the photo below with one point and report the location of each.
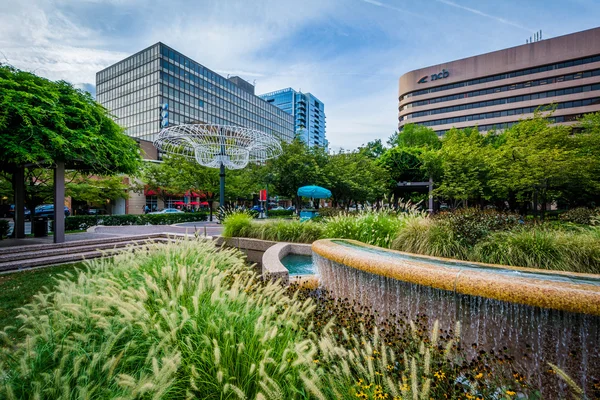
(316, 192)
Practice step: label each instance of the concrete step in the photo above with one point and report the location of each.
(62, 255)
(75, 249)
(76, 243)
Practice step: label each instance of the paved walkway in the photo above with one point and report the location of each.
(190, 228)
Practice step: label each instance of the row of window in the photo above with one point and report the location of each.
(133, 103)
(506, 100)
(231, 102)
(146, 130)
(498, 89)
(133, 86)
(229, 91)
(200, 110)
(132, 62)
(139, 118)
(528, 71)
(191, 66)
(516, 111)
(133, 75)
(506, 125)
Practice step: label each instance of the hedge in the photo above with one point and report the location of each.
(81, 222)
(280, 213)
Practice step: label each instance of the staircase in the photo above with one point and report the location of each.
(30, 256)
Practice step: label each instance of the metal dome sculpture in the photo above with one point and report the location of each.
(218, 146)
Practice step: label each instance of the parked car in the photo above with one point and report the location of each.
(96, 211)
(257, 209)
(291, 208)
(11, 213)
(47, 210)
(168, 211)
(278, 208)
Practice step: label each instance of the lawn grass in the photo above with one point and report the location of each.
(18, 289)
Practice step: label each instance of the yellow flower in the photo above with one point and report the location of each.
(316, 361)
(510, 393)
(479, 375)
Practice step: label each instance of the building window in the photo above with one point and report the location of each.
(152, 203)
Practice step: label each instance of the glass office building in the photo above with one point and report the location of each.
(308, 113)
(159, 86)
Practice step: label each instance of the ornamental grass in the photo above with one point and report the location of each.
(177, 321)
(188, 321)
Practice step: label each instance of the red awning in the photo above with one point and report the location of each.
(204, 203)
(178, 203)
(148, 192)
(193, 203)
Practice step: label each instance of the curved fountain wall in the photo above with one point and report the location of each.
(540, 316)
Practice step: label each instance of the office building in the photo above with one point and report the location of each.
(496, 90)
(308, 113)
(159, 86)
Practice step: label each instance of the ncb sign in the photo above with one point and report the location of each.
(435, 77)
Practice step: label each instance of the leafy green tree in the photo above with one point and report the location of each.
(97, 190)
(42, 122)
(413, 135)
(465, 165)
(550, 161)
(373, 149)
(297, 166)
(161, 178)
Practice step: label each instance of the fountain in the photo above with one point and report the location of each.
(531, 315)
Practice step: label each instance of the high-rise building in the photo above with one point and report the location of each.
(159, 86)
(308, 113)
(495, 90)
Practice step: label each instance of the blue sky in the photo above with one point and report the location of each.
(348, 53)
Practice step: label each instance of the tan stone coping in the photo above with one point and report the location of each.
(490, 282)
(272, 268)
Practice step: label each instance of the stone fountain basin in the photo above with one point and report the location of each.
(566, 291)
(272, 267)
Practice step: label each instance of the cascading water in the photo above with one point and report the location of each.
(531, 335)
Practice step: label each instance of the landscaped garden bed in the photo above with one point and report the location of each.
(191, 321)
(472, 235)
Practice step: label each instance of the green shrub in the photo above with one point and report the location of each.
(431, 237)
(178, 321)
(241, 225)
(376, 228)
(280, 213)
(541, 247)
(331, 212)
(82, 222)
(581, 215)
(4, 228)
(237, 224)
(470, 225)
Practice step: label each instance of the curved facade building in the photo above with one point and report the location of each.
(496, 90)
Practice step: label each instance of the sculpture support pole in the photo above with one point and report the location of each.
(222, 172)
(222, 186)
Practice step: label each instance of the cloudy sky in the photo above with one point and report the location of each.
(348, 53)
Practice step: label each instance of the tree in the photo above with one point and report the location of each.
(545, 162)
(161, 178)
(465, 165)
(413, 135)
(97, 190)
(297, 166)
(43, 122)
(373, 149)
